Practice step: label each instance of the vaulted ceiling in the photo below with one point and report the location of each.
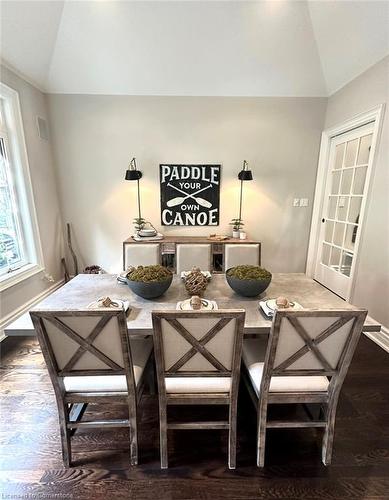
(264, 48)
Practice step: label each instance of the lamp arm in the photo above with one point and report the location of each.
(139, 212)
(240, 201)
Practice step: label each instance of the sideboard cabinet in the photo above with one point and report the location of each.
(166, 251)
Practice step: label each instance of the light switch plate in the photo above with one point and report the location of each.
(303, 202)
(296, 202)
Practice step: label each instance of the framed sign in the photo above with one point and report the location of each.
(190, 195)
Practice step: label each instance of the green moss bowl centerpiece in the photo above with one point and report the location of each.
(149, 282)
(248, 281)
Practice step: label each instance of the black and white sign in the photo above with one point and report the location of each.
(190, 195)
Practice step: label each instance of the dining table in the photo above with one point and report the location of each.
(83, 289)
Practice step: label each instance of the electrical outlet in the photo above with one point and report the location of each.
(303, 202)
(296, 202)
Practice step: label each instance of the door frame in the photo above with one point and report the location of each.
(375, 115)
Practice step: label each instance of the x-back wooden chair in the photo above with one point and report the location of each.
(198, 356)
(91, 360)
(306, 361)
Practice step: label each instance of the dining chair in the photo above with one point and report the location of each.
(140, 254)
(305, 361)
(188, 256)
(91, 360)
(241, 254)
(198, 357)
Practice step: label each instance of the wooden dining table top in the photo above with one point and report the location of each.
(86, 288)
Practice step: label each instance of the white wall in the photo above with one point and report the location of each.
(372, 280)
(94, 138)
(33, 103)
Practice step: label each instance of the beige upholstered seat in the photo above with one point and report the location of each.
(138, 254)
(198, 385)
(198, 255)
(241, 254)
(90, 359)
(140, 353)
(254, 351)
(198, 357)
(304, 361)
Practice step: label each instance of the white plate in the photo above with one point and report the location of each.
(207, 305)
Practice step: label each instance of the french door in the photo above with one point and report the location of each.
(345, 195)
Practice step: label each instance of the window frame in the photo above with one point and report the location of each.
(20, 170)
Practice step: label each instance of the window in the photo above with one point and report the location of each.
(20, 251)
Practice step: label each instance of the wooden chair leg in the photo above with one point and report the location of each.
(163, 437)
(133, 429)
(328, 437)
(261, 436)
(63, 414)
(232, 437)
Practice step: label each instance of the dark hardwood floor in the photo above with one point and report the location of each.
(31, 464)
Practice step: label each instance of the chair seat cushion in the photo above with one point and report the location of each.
(197, 385)
(140, 352)
(253, 357)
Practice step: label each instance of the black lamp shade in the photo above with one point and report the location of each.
(245, 175)
(133, 175)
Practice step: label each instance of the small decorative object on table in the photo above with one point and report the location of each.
(195, 282)
(196, 303)
(248, 281)
(107, 302)
(149, 282)
(270, 306)
(92, 270)
(282, 302)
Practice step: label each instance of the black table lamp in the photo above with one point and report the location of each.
(132, 174)
(244, 175)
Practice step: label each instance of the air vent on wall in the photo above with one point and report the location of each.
(42, 128)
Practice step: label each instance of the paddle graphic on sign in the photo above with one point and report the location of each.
(190, 195)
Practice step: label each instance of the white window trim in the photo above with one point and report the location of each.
(19, 158)
(373, 115)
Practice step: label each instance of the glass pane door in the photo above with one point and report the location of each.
(346, 188)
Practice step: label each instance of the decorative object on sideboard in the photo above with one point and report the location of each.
(73, 254)
(236, 227)
(218, 237)
(195, 282)
(248, 281)
(190, 195)
(244, 175)
(94, 269)
(149, 282)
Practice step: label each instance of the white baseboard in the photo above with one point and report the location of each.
(16, 313)
(380, 338)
